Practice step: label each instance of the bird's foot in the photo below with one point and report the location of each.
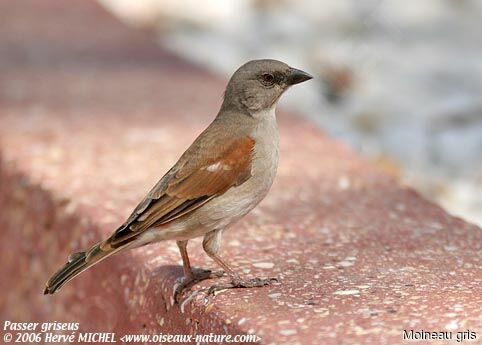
(199, 274)
(235, 283)
(241, 283)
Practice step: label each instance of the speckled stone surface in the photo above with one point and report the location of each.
(92, 113)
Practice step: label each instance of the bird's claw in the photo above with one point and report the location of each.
(199, 275)
(241, 283)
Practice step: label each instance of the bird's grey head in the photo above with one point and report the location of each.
(258, 84)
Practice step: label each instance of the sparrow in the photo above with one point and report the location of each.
(222, 176)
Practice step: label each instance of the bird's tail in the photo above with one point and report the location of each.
(77, 264)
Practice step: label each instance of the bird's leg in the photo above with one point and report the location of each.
(186, 265)
(211, 244)
(191, 276)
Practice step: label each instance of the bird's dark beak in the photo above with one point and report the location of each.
(297, 76)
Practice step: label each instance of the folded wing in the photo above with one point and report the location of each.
(204, 172)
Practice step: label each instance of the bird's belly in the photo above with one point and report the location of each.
(237, 202)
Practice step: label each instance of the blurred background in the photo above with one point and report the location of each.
(399, 81)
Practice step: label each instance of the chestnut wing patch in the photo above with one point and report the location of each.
(192, 186)
(215, 176)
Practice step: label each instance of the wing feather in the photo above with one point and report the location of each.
(190, 184)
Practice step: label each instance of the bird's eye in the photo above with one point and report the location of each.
(267, 78)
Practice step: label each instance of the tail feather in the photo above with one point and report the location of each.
(77, 264)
